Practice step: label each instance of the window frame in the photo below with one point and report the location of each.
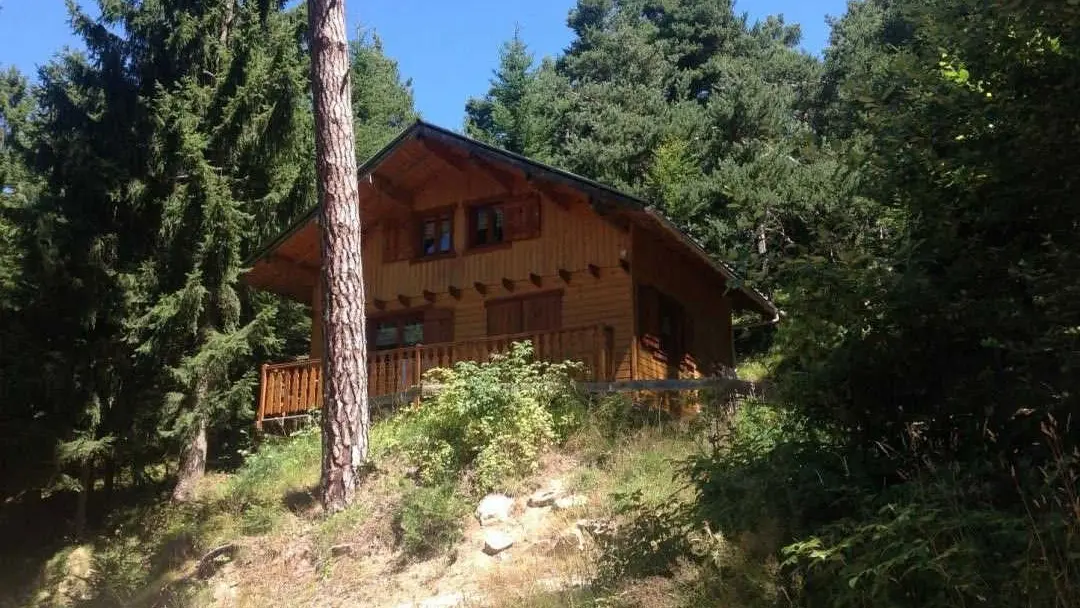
(438, 215)
(400, 320)
(487, 207)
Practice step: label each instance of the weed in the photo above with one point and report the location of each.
(430, 519)
(494, 417)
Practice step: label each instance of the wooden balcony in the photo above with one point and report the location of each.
(294, 389)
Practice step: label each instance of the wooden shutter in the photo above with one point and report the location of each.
(390, 241)
(400, 240)
(648, 321)
(504, 318)
(543, 313)
(522, 218)
(438, 325)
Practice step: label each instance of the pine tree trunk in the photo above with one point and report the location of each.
(345, 406)
(193, 455)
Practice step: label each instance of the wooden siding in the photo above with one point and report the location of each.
(701, 294)
(574, 243)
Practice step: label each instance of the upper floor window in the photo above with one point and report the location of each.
(511, 220)
(486, 225)
(437, 233)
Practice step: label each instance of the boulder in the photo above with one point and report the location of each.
(543, 498)
(494, 508)
(342, 550)
(497, 541)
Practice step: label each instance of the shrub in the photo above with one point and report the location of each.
(430, 519)
(495, 417)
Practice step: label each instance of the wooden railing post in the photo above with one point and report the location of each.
(262, 398)
(597, 354)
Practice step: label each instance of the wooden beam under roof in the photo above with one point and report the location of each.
(387, 186)
(505, 178)
(548, 191)
(444, 153)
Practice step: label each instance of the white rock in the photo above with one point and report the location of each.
(494, 508)
(542, 498)
(569, 502)
(443, 601)
(448, 600)
(497, 541)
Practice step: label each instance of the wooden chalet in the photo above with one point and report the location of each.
(468, 248)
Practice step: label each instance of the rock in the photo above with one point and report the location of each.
(494, 508)
(497, 541)
(542, 498)
(597, 528)
(340, 550)
(567, 542)
(74, 574)
(447, 600)
(569, 502)
(214, 560)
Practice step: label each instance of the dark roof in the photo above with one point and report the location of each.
(599, 191)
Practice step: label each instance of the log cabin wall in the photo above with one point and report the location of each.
(576, 252)
(660, 272)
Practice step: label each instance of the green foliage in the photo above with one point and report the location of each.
(505, 117)
(430, 519)
(280, 467)
(382, 102)
(492, 417)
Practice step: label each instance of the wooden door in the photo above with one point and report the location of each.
(542, 313)
(504, 318)
(672, 333)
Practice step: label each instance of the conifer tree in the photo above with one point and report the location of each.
(504, 116)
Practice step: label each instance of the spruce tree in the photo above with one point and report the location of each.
(504, 116)
(382, 102)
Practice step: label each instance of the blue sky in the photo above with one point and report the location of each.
(448, 49)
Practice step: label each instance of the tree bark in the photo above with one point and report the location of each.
(345, 405)
(193, 455)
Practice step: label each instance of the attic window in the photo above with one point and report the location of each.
(486, 225)
(515, 219)
(437, 233)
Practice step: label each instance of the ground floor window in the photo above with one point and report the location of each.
(396, 331)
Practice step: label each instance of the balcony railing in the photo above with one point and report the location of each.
(292, 389)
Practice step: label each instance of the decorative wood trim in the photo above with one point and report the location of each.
(480, 287)
(536, 279)
(508, 285)
(405, 300)
(565, 275)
